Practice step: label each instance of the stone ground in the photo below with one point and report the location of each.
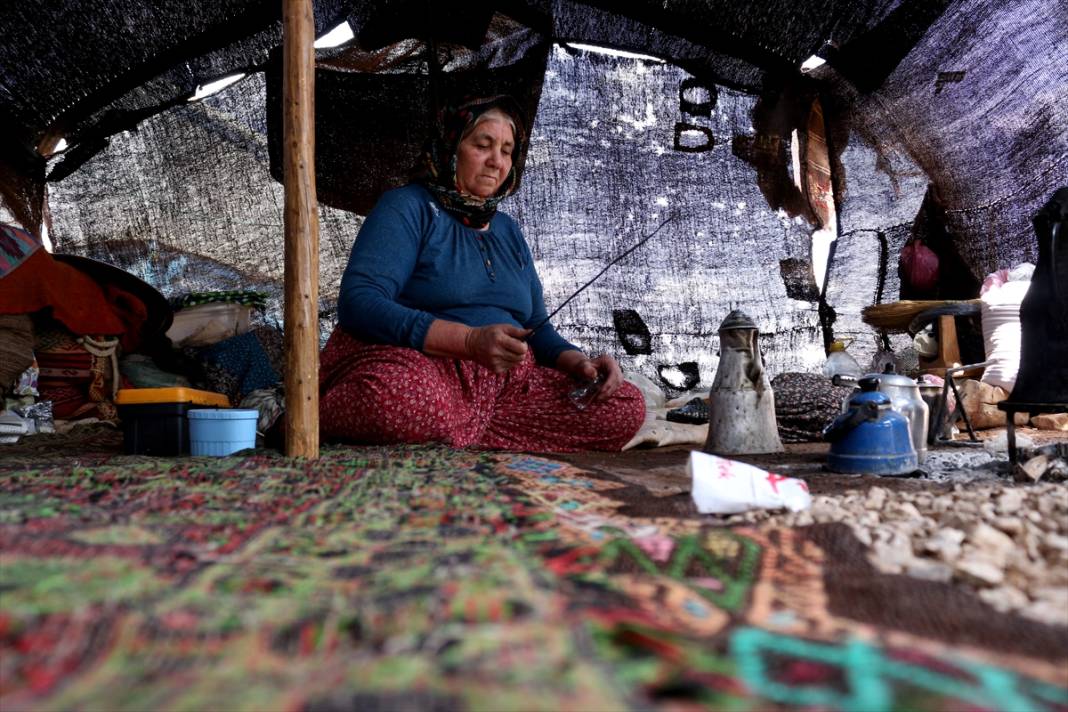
(966, 520)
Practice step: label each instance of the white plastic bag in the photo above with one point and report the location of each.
(654, 395)
(1000, 309)
(722, 486)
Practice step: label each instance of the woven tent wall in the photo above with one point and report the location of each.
(966, 96)
(604, 170)
(84, 70)
(979, 110)
(981, 105)
(188, 202)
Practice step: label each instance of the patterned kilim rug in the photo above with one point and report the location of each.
(432, 579)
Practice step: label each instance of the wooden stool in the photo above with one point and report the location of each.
(948, 355)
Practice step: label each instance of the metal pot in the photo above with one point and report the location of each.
(936, 428)
(905, 398)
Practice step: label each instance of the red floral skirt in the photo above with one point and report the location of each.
(372, 393)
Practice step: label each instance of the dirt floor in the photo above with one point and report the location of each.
(663, 470)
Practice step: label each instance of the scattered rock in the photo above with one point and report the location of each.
(863, 535)
(980, 403)
(1006, 542)
(876, 498)
(1051, 593)
(1005, 598)
(929, 570)
(868, 519)
(825, 509)
(1055, 542)
(941, 504)
(1009, 525)
(1031, 546)
(1051, 421)
(1047, 611)
(981, 572)
(945, 544)
(904, 511)
(893, 549)
(1010, 501)
(991, 544)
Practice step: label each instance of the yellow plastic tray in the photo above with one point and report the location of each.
(143, 396)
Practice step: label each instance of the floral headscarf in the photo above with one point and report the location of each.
(437, 169)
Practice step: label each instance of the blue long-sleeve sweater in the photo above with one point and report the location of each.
(413, 262)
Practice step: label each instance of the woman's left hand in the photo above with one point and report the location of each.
(575, 364)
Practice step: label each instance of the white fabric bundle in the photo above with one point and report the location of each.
(1000, 308)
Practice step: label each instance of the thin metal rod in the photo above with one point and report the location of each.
(1010, 433)
(963, 411)
(579, 291)
(950, 384)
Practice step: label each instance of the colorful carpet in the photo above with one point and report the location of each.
(431, 579)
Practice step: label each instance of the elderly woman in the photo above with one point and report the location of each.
(442, 333)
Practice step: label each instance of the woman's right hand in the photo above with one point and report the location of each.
(498, 347)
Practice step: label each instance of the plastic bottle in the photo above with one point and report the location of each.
(840, 363)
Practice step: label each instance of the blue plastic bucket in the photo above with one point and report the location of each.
(221, 432)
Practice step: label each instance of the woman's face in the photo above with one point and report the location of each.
(484, 157)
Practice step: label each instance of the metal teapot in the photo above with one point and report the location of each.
(741, 404)
(905, 398)
(869, 437)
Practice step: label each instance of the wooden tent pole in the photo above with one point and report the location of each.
(301, 230)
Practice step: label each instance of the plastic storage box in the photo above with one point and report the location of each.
(221, 432)
(154, 419)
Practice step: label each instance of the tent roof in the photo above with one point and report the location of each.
(966, 96)
(90, 68)
(87, 69)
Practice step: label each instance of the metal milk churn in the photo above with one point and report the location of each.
(741, 403)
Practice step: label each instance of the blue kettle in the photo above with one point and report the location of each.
(870, 438)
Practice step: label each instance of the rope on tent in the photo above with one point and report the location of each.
(615, 259)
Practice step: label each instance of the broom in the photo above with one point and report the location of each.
(897, 316)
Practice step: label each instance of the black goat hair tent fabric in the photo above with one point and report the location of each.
(790, 192)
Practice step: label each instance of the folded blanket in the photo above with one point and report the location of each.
(76, 301)
(241, 364)
(805, 403)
